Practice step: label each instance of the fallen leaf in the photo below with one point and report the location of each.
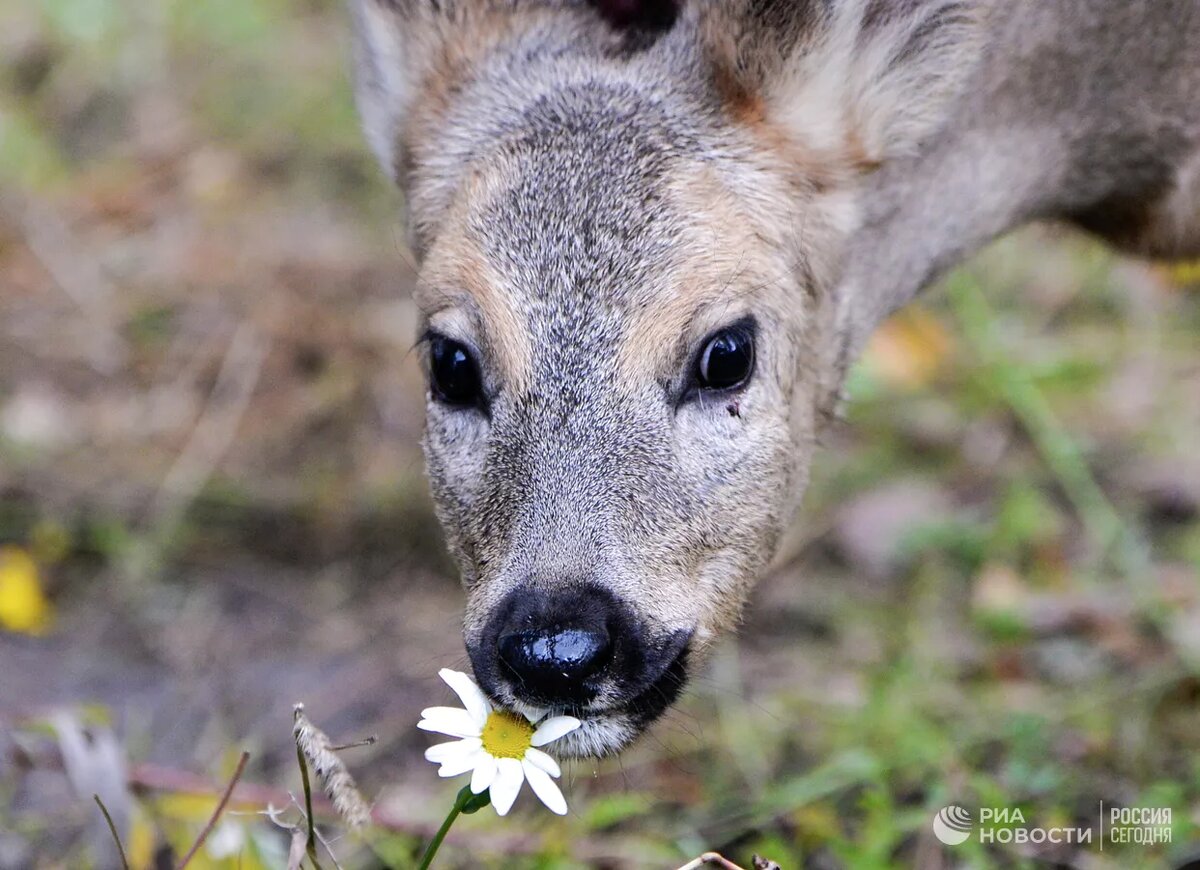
(94, 763)
(1185, 274)
(23, 606)
(908, 350)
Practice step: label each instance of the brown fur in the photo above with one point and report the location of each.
(592, 203)
(458, 280)
(1160, 220)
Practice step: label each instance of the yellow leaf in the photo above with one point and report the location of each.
(1184, 274)
(142, 840)
(23, 607)
(186, 806)
(908, 350)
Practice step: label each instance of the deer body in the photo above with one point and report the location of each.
(654, 235)
(1079, 110)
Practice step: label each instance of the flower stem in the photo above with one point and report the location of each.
(460, 801)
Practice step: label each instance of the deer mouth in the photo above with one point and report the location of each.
(654, 700)
(607, 731)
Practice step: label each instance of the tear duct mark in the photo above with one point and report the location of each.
(639, 14)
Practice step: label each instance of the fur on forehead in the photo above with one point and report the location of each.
(460, 286)
(527, 240)
(856, 82)
(733, 257)
(412, 57)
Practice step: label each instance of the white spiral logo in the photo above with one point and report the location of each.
(952, 825)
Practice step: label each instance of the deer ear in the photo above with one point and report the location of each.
(389, 56)
(874, 78)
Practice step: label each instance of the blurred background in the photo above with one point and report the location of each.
(212, 506)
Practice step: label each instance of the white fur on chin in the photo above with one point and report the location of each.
(599, 737)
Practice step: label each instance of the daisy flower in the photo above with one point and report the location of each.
(498, 747)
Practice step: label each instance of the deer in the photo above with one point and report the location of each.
(652, 236)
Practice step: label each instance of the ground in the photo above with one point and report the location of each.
(212, 506)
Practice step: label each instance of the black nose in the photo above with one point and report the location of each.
(556, 647)
(555, 663)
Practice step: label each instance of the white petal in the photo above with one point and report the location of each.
(449, 720)
(509, 776)
(445, 751)
(460, 764)
(470, 694)
(554, 728)
(484, 775)
(543, 786)
(542, 760)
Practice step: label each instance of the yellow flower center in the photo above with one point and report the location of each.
(506, 735)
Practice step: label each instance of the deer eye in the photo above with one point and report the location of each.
(727, 360)
(453, 374)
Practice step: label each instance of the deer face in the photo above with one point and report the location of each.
(616, 424)
(628, 332)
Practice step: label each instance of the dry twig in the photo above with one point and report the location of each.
(215, 429)
(113, 828)
(79, 276)
(220, 808)
(366, 741)
(310, 824)
(297, 849)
